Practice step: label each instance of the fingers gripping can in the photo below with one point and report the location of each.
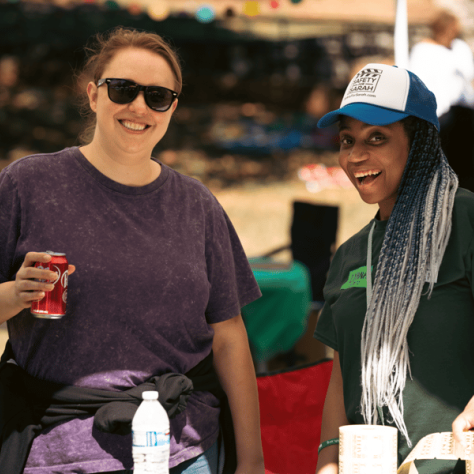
(53, 305)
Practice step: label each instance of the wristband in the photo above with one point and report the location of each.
(327, 443)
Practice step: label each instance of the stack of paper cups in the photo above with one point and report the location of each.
(366, 449)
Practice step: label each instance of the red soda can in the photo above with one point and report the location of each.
(53, 305)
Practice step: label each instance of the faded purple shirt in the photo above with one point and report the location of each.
(155, 266)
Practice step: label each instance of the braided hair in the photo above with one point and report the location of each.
(413, 247)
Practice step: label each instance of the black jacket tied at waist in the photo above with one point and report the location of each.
(29, 405)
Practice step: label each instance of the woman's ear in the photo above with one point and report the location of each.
(92, 93)
(173, 107)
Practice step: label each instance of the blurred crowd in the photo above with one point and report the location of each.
(33, 118)
(249, 106)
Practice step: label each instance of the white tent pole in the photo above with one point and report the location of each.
(401, 34)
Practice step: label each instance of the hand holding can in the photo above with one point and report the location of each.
(53, 304)
(32, 283)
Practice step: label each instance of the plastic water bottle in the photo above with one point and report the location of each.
(151, 437)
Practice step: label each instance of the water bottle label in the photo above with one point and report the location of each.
(149, 439)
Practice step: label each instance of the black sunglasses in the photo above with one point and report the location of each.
(122, 91)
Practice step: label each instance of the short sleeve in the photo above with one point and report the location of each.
(325, 330)
(232, 284)
(10, 219)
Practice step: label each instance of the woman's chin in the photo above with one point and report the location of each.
(368, 199)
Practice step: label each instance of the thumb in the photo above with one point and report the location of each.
(462, 424)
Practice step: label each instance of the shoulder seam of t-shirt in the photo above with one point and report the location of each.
(15, 163)
(202, 187)
(9, 170)
(195, 180)
(8, 173)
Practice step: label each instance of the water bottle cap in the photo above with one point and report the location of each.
(150, 395)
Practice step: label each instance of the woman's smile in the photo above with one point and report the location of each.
(134, 126)
(367, 177)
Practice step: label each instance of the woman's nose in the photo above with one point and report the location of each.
(358, 153)
(138, 105)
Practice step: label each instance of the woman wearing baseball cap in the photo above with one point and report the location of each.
(399, 309)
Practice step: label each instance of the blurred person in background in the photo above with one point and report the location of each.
(399, 299)
(9, 71)
(161, 277)
(444, 62)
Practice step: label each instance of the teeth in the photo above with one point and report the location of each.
(133, 125)
(364, 174)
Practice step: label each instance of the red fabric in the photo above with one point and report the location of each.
(291, 407)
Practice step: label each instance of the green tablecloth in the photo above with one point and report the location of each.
(278, 319)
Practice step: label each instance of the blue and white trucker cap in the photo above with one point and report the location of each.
(380, 94)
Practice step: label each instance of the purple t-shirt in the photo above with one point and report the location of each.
(155, 265)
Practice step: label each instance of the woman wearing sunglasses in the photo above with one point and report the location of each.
(161, 277)
(399, 305)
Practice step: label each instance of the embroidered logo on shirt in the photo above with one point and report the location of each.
(357, 278)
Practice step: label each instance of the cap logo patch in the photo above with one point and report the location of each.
(365, 80)
(381, 94)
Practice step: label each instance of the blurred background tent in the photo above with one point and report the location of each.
(257, 74)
